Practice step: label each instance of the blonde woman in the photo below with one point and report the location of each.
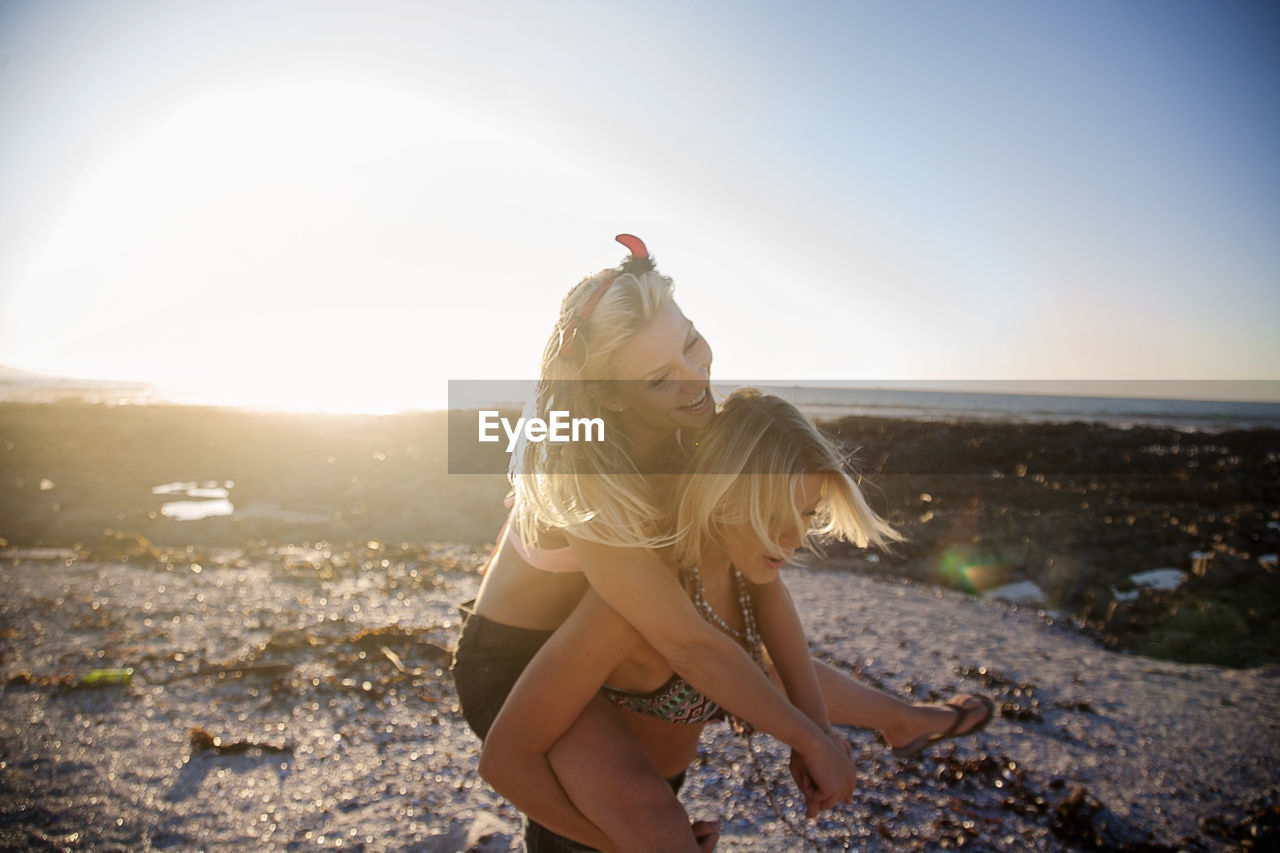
(591, 516)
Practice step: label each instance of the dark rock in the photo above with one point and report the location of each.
(1258, 828)
(1081, 819)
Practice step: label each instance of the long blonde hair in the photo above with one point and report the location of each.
(591, 489)
(745, 471)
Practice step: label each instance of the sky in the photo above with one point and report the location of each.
(344, 205)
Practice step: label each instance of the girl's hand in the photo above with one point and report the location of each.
(707, 834)
(829, 772)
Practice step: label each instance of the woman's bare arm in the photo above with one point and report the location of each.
(646, 593)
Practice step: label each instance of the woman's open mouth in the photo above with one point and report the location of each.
(698, 404)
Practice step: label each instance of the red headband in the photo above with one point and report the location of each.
(638, 252)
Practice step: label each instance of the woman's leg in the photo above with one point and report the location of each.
(611, 780)
(852, 703)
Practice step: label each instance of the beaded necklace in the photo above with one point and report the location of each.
(749, 636)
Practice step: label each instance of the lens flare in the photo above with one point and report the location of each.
(972, 571)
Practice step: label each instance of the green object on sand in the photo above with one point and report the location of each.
(106, 677)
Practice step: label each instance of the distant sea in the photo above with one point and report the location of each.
(943, 401)
(1199, 415)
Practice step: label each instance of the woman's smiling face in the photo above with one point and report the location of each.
(663, 375)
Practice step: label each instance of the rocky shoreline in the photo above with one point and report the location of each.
(1078, 509)
(1075, 509)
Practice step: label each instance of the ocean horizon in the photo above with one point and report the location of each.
(1181, 405)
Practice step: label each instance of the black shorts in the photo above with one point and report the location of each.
(489, 658)
(488, 661)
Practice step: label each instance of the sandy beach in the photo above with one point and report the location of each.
(290, 688)
(298, 699)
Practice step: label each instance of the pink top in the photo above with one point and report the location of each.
(560, 560)
(546, 559)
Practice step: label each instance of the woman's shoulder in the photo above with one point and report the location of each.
(551, 554)
(553, 540)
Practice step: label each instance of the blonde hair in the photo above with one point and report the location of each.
(591, 489)
(745, 471)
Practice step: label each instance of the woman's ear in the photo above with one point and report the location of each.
(597, 392)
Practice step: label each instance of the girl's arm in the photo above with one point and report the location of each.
(645, 592)
(561, 681)
(783, 636)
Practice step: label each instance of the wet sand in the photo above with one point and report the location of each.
(291, 698)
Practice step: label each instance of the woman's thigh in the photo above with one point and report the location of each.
(609, 777)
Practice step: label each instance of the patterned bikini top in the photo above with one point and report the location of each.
(678, 701)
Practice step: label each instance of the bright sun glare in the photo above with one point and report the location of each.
(302, 245)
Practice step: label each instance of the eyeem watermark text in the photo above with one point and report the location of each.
(558, 427)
